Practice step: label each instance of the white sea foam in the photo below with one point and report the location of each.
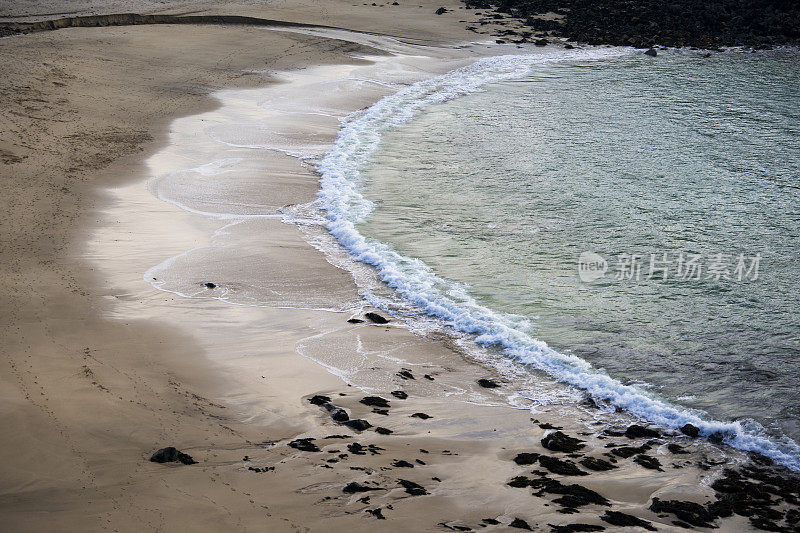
(449, 302)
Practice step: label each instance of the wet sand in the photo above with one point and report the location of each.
(105, 364)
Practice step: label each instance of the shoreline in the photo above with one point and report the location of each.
(247, 399)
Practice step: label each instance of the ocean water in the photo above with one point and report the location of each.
(672, 182)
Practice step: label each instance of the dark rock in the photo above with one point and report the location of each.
(491, 521)
(549, 426)
(414, 489)
(353, 488)
(541, 42)
(488, 383)
(689, 512)
(304, 445)
(423, 416)
(575, 528)
(376, 318)
(598, 465)
(210, 285)
(356, 449)
(171, 455)
(559, 442)
(399, 394)
(319, 400)
(691, 431)
(519, 482)
(630, 451)
(568, 46)
(339, 415)
(648, 462)
(377, 513)
(616, 518)
(455, 527)
(406, 374)
(428, 377)
(441, 11)
(263, 469)
(357, 424)
(383, 431)
(636, 431)
(519, 523)
(572, 495)
(402, 464)
(676, 448)
(356, 321)
(525, 458)
(563, 468)
(374, 401)
(651, 52)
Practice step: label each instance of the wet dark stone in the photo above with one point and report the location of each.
(690, 430)
(423, 416)
(441, 11)
(689, 512)
(376, 318)
(377, 513)
(355, 321)
(676, 448)
(414, 489)
(526, 458)
(357, 424)
(454, 527)
(491, 521)
(541, 42)
(374, 401)
(575, 528)
(648, 462)
(337, 413)
(428, 377)
(559, 442)
(572, 495)
(616, 518)
(636, 431)
(402, 464)
(356, 449)
(630, 451)
(519, 523)
(549, 426)
(319, 400)
(519, 482)
(488, 383)
(383, 431)
(384, 412)
(304, 445)
(406, 374)
(651, 52)
(563, 468)
(598, 465)
(353, 488)
(171, 455)
(399, 394)
(209, 285)
(263, 469)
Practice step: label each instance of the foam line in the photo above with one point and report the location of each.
(345, 207)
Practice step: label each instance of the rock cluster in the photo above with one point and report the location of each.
(644, 23)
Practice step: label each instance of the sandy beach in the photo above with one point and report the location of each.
(165, 285)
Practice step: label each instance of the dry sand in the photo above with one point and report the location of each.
(103, 368)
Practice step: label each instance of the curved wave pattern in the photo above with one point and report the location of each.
(413, 280)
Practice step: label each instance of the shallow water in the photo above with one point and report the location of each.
(503, 189)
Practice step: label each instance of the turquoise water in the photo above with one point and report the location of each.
(503, 189)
